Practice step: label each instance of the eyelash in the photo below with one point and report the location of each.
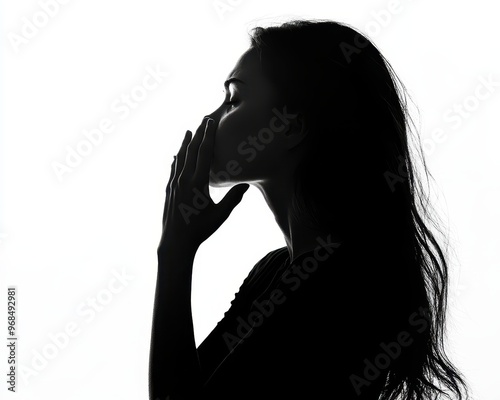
(230, 103)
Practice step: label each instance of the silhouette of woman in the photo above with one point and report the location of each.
(353, 307)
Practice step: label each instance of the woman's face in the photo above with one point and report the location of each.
(249, 141)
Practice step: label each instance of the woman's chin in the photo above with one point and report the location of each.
(223, 176)
(216, 183)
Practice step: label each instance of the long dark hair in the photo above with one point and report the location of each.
(360, 176)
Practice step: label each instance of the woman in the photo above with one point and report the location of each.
(353, 307)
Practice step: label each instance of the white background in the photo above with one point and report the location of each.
(62, 241)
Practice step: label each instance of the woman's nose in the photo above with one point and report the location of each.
(213, 116)
(217, 113)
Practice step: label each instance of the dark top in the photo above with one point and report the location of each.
(299, 331)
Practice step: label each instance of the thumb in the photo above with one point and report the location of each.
(231, 200)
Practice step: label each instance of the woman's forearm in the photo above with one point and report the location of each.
(174, 371)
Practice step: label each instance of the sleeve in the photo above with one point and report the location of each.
(216, 346)
(312, 343)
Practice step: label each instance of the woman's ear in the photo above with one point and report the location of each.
(296, 131)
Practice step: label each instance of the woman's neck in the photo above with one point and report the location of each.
(300, 236)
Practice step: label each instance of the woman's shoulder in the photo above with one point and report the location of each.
(278, 260)
(345, 261)
(257, 279)
(272, 258)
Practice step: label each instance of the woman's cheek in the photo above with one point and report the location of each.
(227, 139)
(237, 144)
(227, 163)
(232, 131)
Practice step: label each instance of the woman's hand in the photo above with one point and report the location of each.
(190, 216)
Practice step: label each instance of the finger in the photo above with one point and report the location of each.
(172, 171)
(230, 200)
(168, 191)
(181, 155)
(205, 153)
(192, 150)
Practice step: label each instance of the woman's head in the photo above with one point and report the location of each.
(318, 106)
(346, 150)
(255, 140)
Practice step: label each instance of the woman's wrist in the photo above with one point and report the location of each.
(177, 250)
(176, 259)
